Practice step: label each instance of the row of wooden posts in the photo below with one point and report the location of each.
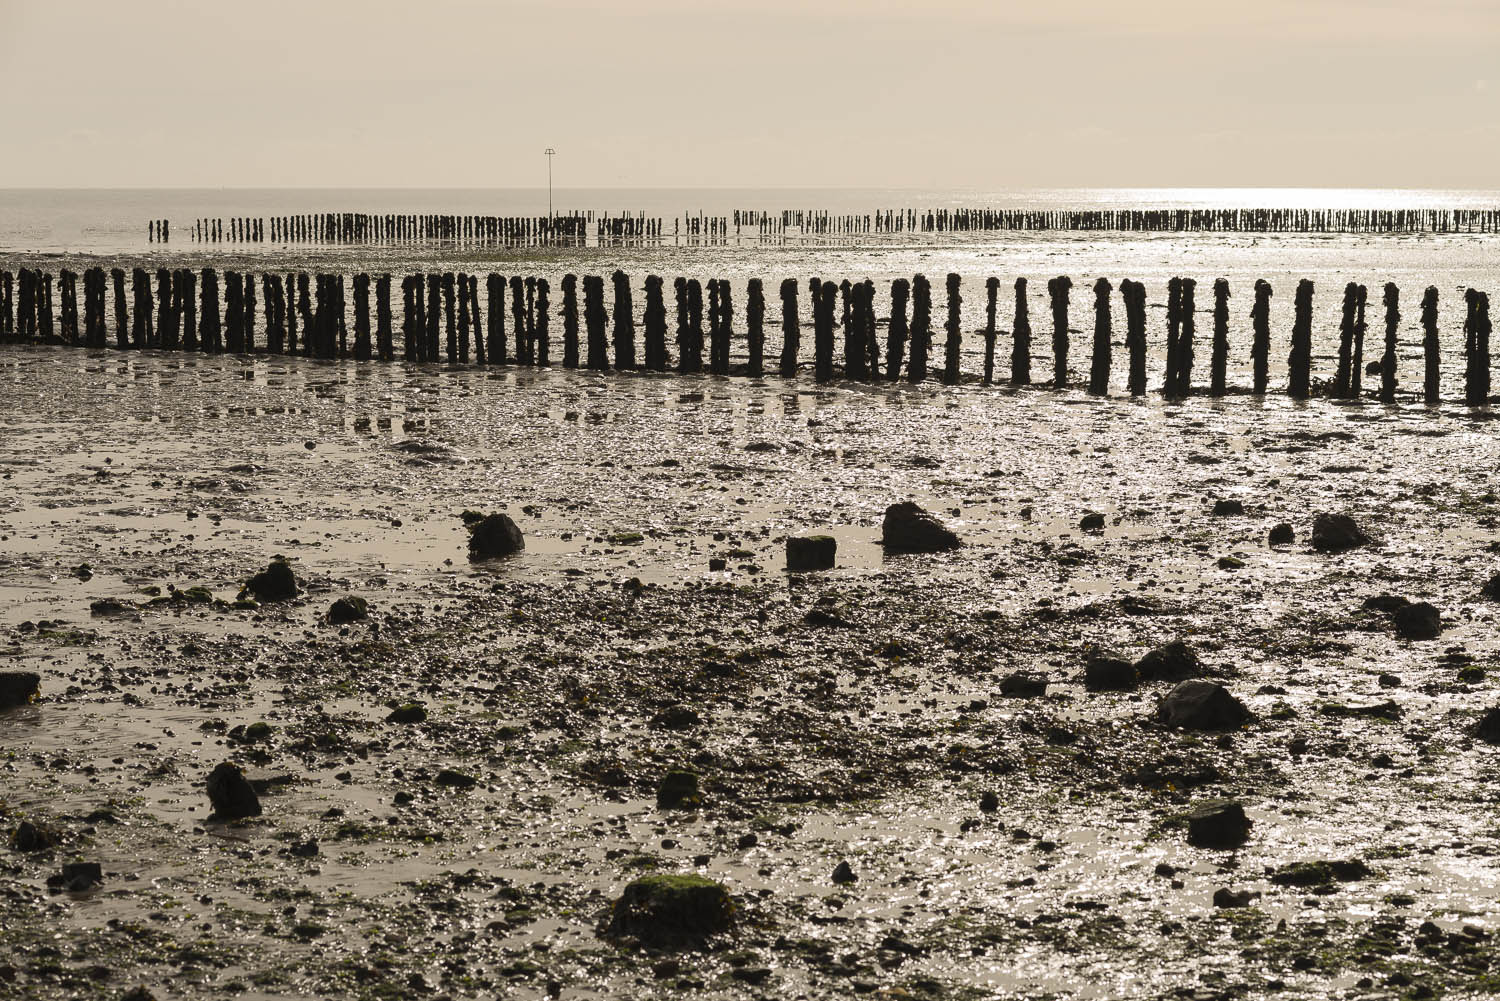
(441, 319)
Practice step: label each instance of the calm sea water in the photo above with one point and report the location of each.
(101, 221)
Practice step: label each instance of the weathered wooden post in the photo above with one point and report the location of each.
(823, 326)
(755, 339)
(1057, 289)
(1099, 362)
(695, 324)
(1219, 358)
(679, 286)
(570, 321)
(624, 317)
(992, 292)
(1134, 295)
(434, 316)
(310, 333)
(955, 332)
(1356, 369)
(791, 331)
(247, 316)
(233, 295)
(1174, 337)
(481, 356)
(362, 317)
(211, 340)
(44, 310)
(596, 354)
(654, 318)
(1185, 339)
(871, 338)
(450, 327)
(1388, 359)
(1299, 361)
(7, 305)
(541, 330)
(1476, 348)
(854, 351)
(896, 335)
(409, 326)
(495, 301)
(1430, 347)
(531, 345)
(462, 293)
(921, 329)
(122, 321)
(1346, 344)
(270, 285)
(1260, 349)
(67, 292)
(1020, 348)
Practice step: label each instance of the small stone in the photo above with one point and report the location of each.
(493, 536)
(907, 528)
(1282, 535)
(811, 552)
(18, 688)
(1106, 673)
(231, 794)
(1491, 589)
(348, 609)
(1219, 823)
(305, 849)
(1390, 604)
(1201, 705)
(1418, 621)
(989, 802)
(843, 874)
(717, 563)
(678, 790)
(275, 583)
(1388, 681)
(1336, 533)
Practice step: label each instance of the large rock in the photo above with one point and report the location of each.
(231, 794)
(1106, 673)
(493, 536)
(1488, 727)
(349, 608)
(1417, 620)
(1201, 705)
(1024, 686)
(275, 583)
(678, 790)
(1218, 823)
(909, 529)
(1336, 533)
(18, 688)
(810, 552)
(1174, 662)
(667, 910)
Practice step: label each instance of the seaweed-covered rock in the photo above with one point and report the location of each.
(1201, 705)
(348, 609)
(1218, 823)
(1092, 522)
(843, 874)
(810, 552)
(494, 535)
(1023, 686)
(1105, 673)
(1491, 589)
(678, 790)
(1488, 727)
(29, 837)
(1228, 507)
(18, 688)
(275, 583)
(676, 717)
(909, 529)
(1417, 620)
(665, 910)
(1282, 535)
(231, 794)
(407, 712)
(1336, 533)
(1320, 873)
(76, 877)
(1177, 661)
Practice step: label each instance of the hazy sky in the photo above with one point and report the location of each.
(742, 93)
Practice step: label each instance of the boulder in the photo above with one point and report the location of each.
(231, 794)
(1174, 662)
(408, 712)
(29, 837)
(493, 536)
(1225, 897)
(1488, 727)
(1201, 705)
(1336, 533)
(1024, 686)
(1228, 507)
(810, 552)
(1106, 673)
(1282, 535)
(1320, 873)
(1092, 522)
(275, 583)
(77, 877)
(1218, 823)
(909, 529)
(665, 910)
(843, 874)
(18, 688)
(348, 609)
(1491, 589)
(676, 718)
(1417, 621)
(678, 790)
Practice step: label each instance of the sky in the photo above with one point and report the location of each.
(750, 93)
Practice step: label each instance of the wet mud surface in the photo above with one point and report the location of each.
(455, 789)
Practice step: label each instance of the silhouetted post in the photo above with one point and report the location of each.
(955, 333)
(1020, 348)
(290, 310)
(1260, 349)
(1299, 361)
(570, 322)
(1185, 339)
(1174, 337)
(362, 317)
(992, 292)
(541, 330)
(188, 298)
(462, 293)
(1346, 344)
(450, 327)
(434, 316)
(1134, 295)
(921, 329)
(1476, 348)
(1099, 362)
(823, 325)
(67, 292)
(852, 326)
(140, 327)
(495, 296)
(870, 338)
(212, 335)
(409, 325)
(1356, 369)
(122, 320)
(595, 322)
(791, 331)
(1219, 358)
(755, 338)
(233, 302)
(247, 316)
(481, 356)
(1057, 289)
(624, 318)
(44, 307)
(679, 286)
(898, 332)
(531, 352)
(1430, 347)
(1388, 359)
(1482, 330)
(655, 319)
(7, 305)
(310, 333)
(726, 324)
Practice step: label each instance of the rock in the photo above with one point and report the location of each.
(1092, 522)
(1218, 823)
(749, 840)
(678, 790)
(1023, 686)
(717, 563)
(231, 794)
(1225, 897)
(275, 583)
(1319, 873)
(1387, 603)
(1488, 727)
(493, 536)
(676, 718)
(76, 877)
(843, 874)
(1201, 705)
(410, 712)
(104, 607)
(451, 779)
(1174, 662)
(1228, 507)
(304, 849)
(810, 552)
(18, 688)
(1106, 673)
(666, 910)
(1336, 533)
(1231, 563)
(1282, 535)
(1418, 621)
(1491, 589)
(989, 802)
(29, 837)
(1389, 681)
(140, 993)
(909, 529)
(348, 609)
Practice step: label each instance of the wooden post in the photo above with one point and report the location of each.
(684, 337)
(1388, 359)
(655, 320)
(898, 332)
(362, 317)
(1134, 295)
(823, 325)
(1299, 361)
(921, 329)
(1058, 288)
(1356, 369)
(1346, 344)
(530, 317)
(247, 316)
(1430, 348)
(450, 327)
(1185, 339)
(870, 337)
(755, 312)
(434, 316)
(595, 321)
(1020, 348)
(462, 291)
(495, 301)
(122, 321)
(624, 316)
(791, 331)
(409, 324)
(480, 354)
(570, 322)
(1219, 358)
(1174, 338)
(955, 332)
(1260, 349)
(1476, 348)
(384, 347)
(211, 341)
(992, 293)
(1099, 362)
